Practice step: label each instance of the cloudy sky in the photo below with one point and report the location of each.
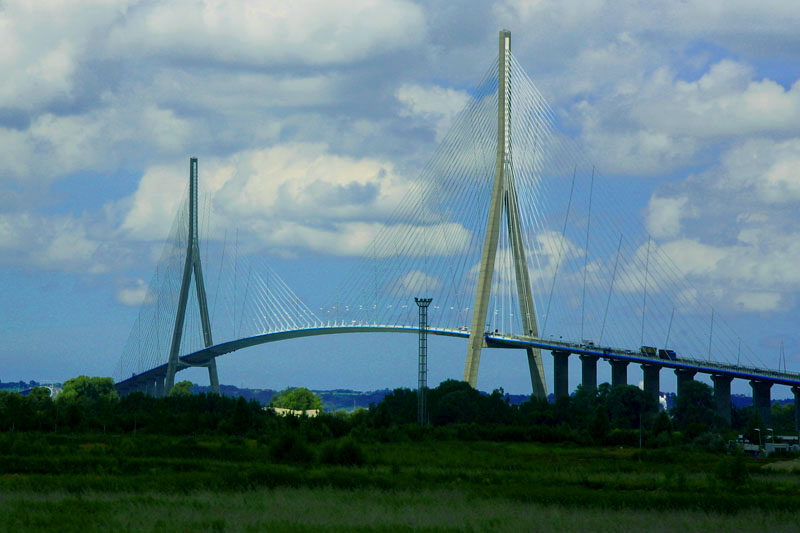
(327, 110)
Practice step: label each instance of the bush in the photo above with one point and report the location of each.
(711, 442)
(694, 430)
(347, 452)
(289, 448)
(732, 471)
(350, 453)
(623, 437)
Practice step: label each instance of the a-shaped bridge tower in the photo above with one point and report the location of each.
(191, 266)
(504, 202)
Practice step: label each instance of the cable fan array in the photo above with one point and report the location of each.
(595, 273)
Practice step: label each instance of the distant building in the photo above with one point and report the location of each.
(310, 413)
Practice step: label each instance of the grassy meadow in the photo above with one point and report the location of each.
(85, 482)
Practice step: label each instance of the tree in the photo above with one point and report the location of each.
(627, 405)
(15, 411)
(782, 418)
(297, 399)
(42, 406)
(694, 406)
(397, 407)
(88, 398)
(454, 401)
(599, 426)
(182, 388)
(93, 388)
(662, 424)
(756, 430)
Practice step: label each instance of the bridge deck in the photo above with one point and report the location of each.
(492, 340)
(706, 367)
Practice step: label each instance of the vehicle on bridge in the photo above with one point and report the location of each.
(650, 351)
(667, 354)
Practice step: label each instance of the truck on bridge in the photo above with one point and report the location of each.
(662, 353)
(667, 354)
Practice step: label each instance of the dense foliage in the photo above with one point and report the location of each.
(297, 399)
(91, 460)
(619, 415)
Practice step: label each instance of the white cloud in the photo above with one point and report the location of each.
(136, 295)
(305, 180)
(665, 121)
(737, 24)
(69, 244)
(295, 196)
(58, 242)
(415, 282)
(236, 93)
(437, 105)
(758, 301)
(252, 32)
(54, 146)
(765, 167)
(724, 101)
(43, 45)
(740, 236)
(751, 275)
(664, 216)
(155, 204)
(693, 258)
(355, 238)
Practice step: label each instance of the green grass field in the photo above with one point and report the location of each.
(208, 483)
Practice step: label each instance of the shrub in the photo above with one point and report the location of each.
(694, 430)
(623, 437)
(347, 452)
(289, 448)
(350, 453)
(711, 442)
(732, 471)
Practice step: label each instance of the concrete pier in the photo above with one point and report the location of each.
(619, 372)
(796, 391)
(762, 401)
(561, 373)
(684, 376)
(652, 383)
(589, 372)
(722, 396)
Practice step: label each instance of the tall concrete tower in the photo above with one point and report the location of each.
(192, 265)
(504, 200)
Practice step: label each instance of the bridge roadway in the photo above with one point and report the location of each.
(685, 368)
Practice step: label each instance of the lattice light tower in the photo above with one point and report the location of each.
(192, 265)
(422, 383)
(504, 200)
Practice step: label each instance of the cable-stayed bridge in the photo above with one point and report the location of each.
(510, 230)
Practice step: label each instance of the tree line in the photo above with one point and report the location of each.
(610, 415)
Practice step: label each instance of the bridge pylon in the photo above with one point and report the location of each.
(504, 200)
(192, 265)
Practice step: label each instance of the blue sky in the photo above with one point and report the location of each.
(692, 106)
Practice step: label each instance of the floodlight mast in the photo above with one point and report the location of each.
(422, 383)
